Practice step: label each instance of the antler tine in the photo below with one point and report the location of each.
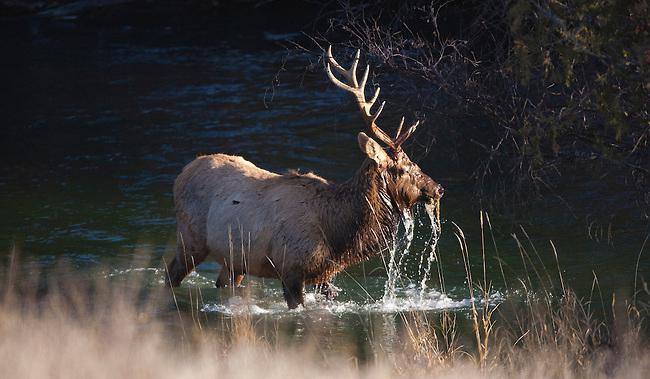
(337, 82)
(334, 63)
(399, 130)
(358, 90)
(401, 138)
(350, 75)
(353, 70)
(378, 132)
(374, 118)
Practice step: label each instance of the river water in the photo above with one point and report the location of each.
(99, 119)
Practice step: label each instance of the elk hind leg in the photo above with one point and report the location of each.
(228, 278)
(188, 255)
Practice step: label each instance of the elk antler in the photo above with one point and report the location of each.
(358, 90)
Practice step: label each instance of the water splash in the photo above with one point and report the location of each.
(406, 300)
(397, 252)
(156, 276)
(433, 302)
(400, 250)
(237, 305)
(433, 211)
(413, 298)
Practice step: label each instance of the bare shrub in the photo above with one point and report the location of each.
(555, 82)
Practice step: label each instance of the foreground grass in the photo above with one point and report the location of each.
(119, 339)
(72, 329)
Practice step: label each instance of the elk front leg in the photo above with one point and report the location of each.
(293, 288)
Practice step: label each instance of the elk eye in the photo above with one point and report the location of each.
(400, 171)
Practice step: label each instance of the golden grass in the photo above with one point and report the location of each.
(101, 330)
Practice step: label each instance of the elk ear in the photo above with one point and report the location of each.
(373, 150)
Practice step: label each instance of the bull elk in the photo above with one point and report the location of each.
(299, 228)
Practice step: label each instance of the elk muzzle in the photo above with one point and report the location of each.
(432, 191)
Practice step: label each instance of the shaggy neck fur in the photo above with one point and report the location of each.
(365, 220)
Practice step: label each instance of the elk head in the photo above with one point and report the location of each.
(405, 181)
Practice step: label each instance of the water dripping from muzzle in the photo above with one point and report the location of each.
(397, 252)
(400, 249)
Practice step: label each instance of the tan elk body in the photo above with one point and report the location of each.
(299, 228)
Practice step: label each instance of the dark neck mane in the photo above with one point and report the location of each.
(362, 219)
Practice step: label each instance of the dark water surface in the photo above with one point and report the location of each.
(97, 121)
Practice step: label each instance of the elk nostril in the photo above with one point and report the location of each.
(440, 190)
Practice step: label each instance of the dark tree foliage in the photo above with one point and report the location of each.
(558, 81)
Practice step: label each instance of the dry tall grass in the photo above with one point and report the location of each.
(102, 330)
